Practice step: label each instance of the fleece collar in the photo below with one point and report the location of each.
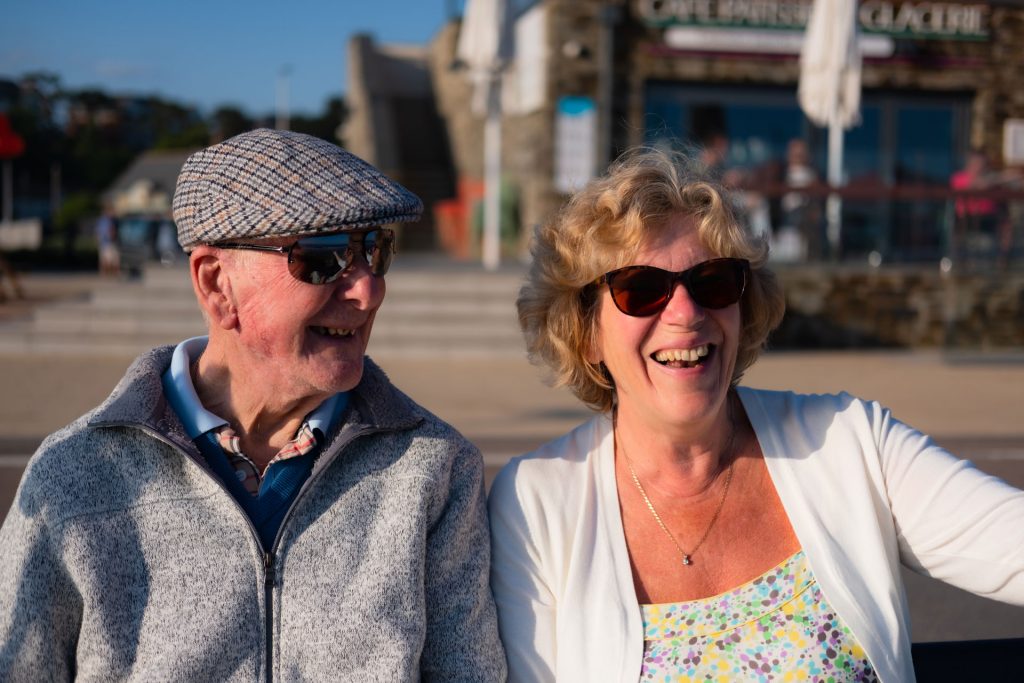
(138, 400)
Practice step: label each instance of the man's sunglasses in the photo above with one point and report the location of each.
(322, 259)
(645, 290)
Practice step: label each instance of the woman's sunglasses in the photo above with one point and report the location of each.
(645, 290)
(322, 259)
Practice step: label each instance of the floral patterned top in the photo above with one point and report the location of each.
(778, 627)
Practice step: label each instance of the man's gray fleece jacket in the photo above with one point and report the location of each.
(124, 558)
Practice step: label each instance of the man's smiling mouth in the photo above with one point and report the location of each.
(683, 358)
(332, 331)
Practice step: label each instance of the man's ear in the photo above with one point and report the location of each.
(212, 285)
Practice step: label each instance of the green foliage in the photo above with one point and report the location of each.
(196, 135)
(171, 125)
(228, 121)
(76, 208)
(77, 142)
(508, 214)
(326, 124)
(95, 160)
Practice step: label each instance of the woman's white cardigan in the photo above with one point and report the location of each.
(863, 492)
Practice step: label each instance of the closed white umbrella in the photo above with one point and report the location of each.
(830, 83)
(485, 47)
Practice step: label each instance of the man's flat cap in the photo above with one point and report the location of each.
(272, 183)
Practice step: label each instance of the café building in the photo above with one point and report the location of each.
(590, 78)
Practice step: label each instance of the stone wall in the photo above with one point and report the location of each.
(840, 307)
(394, 124)
(1007, 95)
(452, 91)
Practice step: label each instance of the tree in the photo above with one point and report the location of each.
(78, 141)
(228, 121)
(326, 124)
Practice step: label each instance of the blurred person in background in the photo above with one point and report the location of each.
(750, 207)
(979, 212)
(260, 503)
(977, 218)
(10, 275)
(106, 244)
(167, 248)
(694, 528)
(801, 213)
(714, 157)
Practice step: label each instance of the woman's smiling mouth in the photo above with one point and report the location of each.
(683, 358)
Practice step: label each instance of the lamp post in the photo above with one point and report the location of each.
(485, 46)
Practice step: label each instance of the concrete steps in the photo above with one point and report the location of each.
(433, 309)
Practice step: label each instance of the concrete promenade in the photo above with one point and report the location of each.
(971, 402)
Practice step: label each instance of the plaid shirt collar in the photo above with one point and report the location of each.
(246, 470)
(197, 420)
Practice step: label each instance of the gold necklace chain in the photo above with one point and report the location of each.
(687, 556)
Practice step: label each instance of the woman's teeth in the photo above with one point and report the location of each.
(333, 331)
(686, 358)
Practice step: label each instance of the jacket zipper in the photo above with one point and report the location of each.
(269, 566)
(270, 555)
(268, 615)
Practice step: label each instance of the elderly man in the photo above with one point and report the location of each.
(261, 503)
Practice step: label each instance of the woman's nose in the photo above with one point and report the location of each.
(681, 309)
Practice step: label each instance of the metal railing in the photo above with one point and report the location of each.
(907, 223)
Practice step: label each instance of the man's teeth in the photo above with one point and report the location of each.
(334, 331)
(688, 355)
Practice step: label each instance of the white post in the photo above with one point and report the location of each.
(491, 242)
(8, 191)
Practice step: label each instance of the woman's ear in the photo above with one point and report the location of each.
(590, 314)
(592, 351)
(212, 284)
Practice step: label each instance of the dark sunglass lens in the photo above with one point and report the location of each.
(640, 291)
(717, 284)
(378, 246)
(317, 265)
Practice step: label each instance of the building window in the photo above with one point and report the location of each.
(904, 140)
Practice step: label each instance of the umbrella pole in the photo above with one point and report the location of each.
(491, 247)
(834, 203)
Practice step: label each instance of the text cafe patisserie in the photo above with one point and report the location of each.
(881, 16)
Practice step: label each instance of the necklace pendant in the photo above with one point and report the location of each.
(686, 559)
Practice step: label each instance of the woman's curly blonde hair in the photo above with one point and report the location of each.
(603, 227)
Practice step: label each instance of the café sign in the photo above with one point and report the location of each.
(908, 19)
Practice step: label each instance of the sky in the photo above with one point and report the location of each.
(207, 53)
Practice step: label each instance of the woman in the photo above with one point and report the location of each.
(695, 528)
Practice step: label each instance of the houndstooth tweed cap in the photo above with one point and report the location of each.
(270, 183)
